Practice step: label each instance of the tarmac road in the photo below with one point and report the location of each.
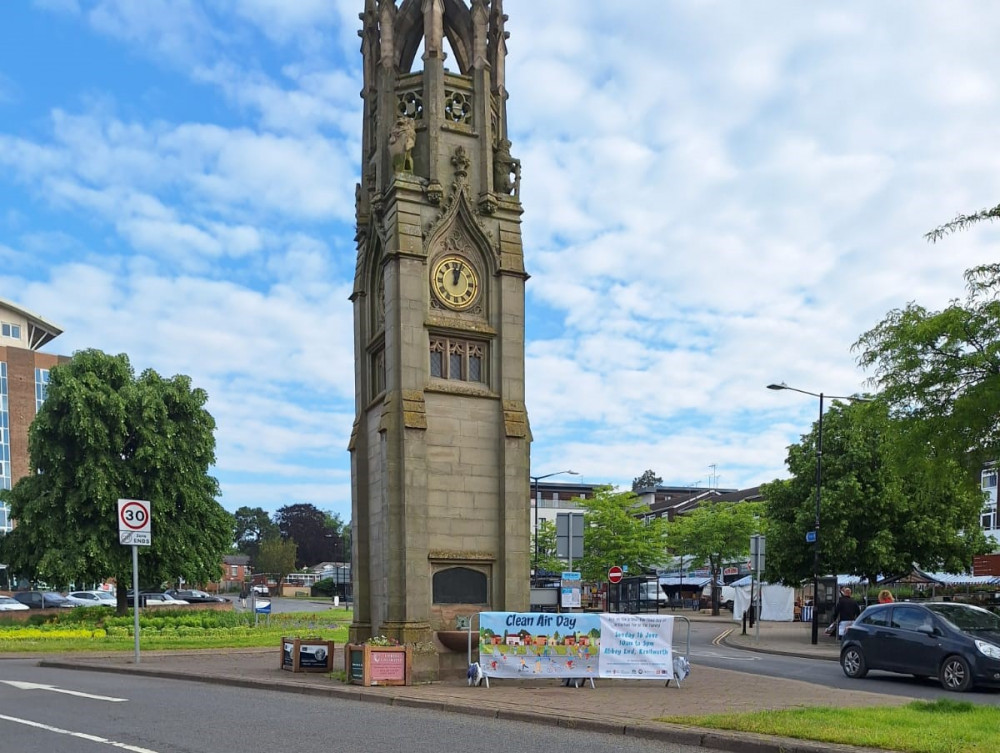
(46, 710)
(729, 649)
(622, 707)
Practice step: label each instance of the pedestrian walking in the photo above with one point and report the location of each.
(885, 597)
(846, 612)
(244, 594)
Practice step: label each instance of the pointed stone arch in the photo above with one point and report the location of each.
(409, 33)
(375, 283)
(460, 215)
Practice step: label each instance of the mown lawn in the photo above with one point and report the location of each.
(942, 726)
(98, 629)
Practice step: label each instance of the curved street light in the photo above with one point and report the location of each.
(538, 501)
(819, 479)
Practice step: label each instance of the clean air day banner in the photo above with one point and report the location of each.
(523, 645)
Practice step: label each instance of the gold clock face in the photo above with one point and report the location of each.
(455, 282)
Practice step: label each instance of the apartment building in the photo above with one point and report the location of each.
(989, 515)
(24, 377)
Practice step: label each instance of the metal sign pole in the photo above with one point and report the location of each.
(135, 598)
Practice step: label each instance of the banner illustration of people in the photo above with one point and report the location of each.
(523, 645)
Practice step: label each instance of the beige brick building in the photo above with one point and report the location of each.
(24, 376)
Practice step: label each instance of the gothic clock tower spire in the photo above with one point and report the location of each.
(440, 444)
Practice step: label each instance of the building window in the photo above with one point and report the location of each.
(41, 387)
(234, 570)
(456, 359)
(378, 372)
(12, 330)
(990, 479)
(989, 519)
(4, 430)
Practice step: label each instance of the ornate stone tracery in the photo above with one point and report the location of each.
(458, 106)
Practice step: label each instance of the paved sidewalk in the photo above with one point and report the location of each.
(789, 638)
(614, 706)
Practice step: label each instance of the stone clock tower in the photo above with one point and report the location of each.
(440, 444)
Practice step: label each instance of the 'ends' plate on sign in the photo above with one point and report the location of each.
(134, 538)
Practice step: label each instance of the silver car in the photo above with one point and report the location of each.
(92, 598)
(8, 604)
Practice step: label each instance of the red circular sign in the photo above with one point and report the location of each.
(134, 516)
(615, 574)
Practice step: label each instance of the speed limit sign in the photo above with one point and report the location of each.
(134, 522)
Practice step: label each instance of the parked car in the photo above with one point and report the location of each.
(959, 644)
(156, 599)
(261, 590)
(7, 604)
(92, 598)
(43, 599)
(194, 596)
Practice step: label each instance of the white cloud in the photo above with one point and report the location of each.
(717, 196)
(176, 30)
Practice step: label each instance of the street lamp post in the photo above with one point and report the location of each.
(819, 482)
(337, 552)
(538, 501)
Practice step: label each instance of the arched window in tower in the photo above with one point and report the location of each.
(457, 359)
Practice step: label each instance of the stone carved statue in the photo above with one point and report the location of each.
(402, 138)
(506, 170)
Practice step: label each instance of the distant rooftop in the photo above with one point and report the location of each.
(40, 331)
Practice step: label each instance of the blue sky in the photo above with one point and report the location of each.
(717, 196)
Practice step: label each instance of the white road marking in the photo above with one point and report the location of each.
(54, 689)
(81, 735)
(737, 656)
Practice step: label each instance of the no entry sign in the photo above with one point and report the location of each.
(615, 574)
(134, 522)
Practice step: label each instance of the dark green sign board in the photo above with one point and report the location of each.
(357, 665)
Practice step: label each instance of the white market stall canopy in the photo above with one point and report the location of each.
(777, 602)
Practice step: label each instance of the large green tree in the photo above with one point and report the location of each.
(338, 533)
(940, 372)
(276, 556)
(963, 221)
(253, 525)
(618, 531)
(716, 533)
(102, 434)
(883, 506)
(317, 534)
(543, 549)
(648, 480)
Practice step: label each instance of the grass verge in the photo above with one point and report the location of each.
(942, 726)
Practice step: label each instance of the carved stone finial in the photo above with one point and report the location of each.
(387, 18)
(402, 139)
(460, 161)
(433, 12)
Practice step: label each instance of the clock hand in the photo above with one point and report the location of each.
(455, 273)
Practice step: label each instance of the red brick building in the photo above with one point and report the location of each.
(24, 377)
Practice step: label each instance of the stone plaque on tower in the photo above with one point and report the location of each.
(440, 443)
